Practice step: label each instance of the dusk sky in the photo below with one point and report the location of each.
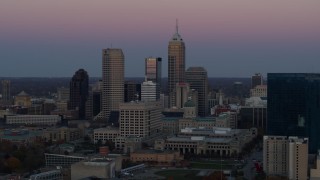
(230, 38)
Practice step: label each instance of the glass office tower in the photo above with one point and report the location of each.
(294, 106)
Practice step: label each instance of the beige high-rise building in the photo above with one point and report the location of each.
(112, 81)
(285, 156)
(176, 65)
(182, 94)
(140, 119)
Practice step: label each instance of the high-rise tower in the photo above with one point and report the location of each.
(197, 77)
(176, 65)
(153, 73)
(79, 91)
(112, 81)
(6, 92)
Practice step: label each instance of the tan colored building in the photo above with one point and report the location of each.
(22, 99)
(64, 133)
(161, 157)
(259, 91)
(105, 134)
(215, 142)
(176, 65)
(141, 119)
(285, 156)
(315, 171)
(182, 94)
(112, 81)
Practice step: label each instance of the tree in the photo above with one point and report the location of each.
(13, 163)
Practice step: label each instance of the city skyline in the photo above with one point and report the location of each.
(229, 39)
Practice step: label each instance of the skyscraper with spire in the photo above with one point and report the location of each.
(176, 65)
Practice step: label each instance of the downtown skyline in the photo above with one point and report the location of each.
(229, 39)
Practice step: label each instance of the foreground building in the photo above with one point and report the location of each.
(294, 106)
(285, 156)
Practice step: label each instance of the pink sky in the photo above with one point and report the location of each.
(130, 22)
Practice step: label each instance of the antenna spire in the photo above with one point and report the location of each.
(177, 28)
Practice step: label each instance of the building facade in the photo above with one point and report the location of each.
(294, 106)
(197, 77)
(140, 119)
(285, 156)
(176, 65)
(112, 81)
(153, 73)
(6, 92)
(256, 80)
(79, 92)
(149, 91)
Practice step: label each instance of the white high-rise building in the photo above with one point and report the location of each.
(148, 91)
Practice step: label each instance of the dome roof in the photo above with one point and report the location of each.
(23, 93)
(189, 103)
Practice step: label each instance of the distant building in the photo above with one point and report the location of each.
(285, 156)
(259, 91)
(63, 94)
(149, 91)
(256, 80)
(294, 106)
(197, 77)
(22, 99)
(160, 157)
(79, 92)
(182, 94)
(132, 91)
(105, 134)
(315, 170)
(112, 81)
(6, 92)
(47, 120)
(176, 65)
(153, 73)
(140, 119)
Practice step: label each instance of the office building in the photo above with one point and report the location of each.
(6, 92)
(149, 91)
(176, 65)
(198, 79)
(285, 156)
(112, 81)
(140, 119)
(294, 106)
(182, 94)
(259, 91)
(153, 72)
(256, 80)
(79, 92)
(132, 91)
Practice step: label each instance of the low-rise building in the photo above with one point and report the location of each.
(62, 134)
(52, 175)
(156, 156)
(215, 142)
(105, 134)
(33, 119)
(102, 168)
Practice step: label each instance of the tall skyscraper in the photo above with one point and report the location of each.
(153, 72)
(197, 77)
(112, 81)
(256, 80)
(79, 91)
(6, 92)
(176, 65)
(294, 106)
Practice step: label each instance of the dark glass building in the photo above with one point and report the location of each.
(132, 91)
(294, 106)
(79, 91)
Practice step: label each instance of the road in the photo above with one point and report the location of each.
(249, 169)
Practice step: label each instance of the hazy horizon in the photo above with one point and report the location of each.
(229, 38)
